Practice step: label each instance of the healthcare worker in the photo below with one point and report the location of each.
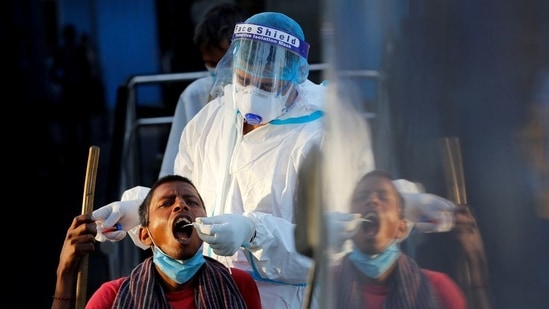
(243, 151)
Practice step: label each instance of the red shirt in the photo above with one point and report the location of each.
(450, 295)
(104, 297)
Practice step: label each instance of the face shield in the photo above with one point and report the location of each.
(263, 59)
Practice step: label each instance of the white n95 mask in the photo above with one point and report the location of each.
(259, 106)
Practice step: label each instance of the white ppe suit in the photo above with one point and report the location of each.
(191, 100)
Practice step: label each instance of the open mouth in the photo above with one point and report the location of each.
(182, 228)
(371, 225)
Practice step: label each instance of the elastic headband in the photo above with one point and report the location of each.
(272, 36)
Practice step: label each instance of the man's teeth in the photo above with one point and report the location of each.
(182, 220)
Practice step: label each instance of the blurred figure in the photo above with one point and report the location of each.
(464, 258)
(535, 144)
(76, 78)
(212, 36)
(472, 262)
(533, 141)
(176, 276)
(376, 274)
(460, 249)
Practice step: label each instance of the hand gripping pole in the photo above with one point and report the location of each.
(87, 208)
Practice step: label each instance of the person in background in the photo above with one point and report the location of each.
(212, 35)
(176, 276)
(78, 91)
(532, 140)
(376, 273)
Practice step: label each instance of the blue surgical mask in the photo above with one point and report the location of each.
(374, 266)
(179, 271)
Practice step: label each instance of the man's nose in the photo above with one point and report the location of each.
(373, 199)
(180, 204)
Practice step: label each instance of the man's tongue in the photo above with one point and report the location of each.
(181, 235)
(369, 228)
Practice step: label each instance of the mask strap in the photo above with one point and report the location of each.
(150, 235)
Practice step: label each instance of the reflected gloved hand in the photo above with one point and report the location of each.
(340, 227)
(115, 219)
(225, 233)
(429, 213)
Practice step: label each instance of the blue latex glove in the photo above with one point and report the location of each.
(225, 233)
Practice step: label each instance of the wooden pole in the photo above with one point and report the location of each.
(87, 208)
(453, 168)
(455, 182)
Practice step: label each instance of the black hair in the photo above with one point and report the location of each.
(218, 23)
(144, 207)
(386, 175)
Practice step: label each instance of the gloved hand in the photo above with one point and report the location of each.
(123, 214)
(429, 213)
(340, 227)
(225, 233)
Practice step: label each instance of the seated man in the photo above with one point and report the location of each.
(376, 273)
(176, 276)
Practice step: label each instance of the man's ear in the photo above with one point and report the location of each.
(144, 236)
(403, 229)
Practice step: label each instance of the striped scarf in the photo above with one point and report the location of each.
(216, 288)
(408, 287)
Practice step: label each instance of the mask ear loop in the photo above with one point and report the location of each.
(152, 239)
(395, 239)
(409, 224)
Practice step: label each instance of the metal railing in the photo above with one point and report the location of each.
(124, 171)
